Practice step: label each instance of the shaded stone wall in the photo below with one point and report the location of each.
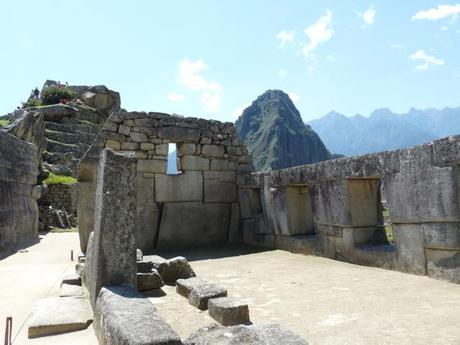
(333, 209)
(198, 206)
(18, 205)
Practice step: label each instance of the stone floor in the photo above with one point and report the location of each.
(37, 273)
(326, 302)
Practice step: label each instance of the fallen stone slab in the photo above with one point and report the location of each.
(125, 316)
(173, 269)
(185, 286)
(68, 290)
(72, 279)
(271, 334)
(144, 266)
(202, 293)
(59, 315)
(228, 311)
(149, 281)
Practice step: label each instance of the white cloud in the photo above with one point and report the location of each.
(190, 76)
(175, 97)
(285, 37)
(282, 73)
(368, 16)
(293, 96)
(440, 12)
(444, 28)
(210, 101)
(238, 111)
(425, 60)
(318, 33)
(330, 58)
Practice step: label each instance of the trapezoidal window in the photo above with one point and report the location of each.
(173, 163)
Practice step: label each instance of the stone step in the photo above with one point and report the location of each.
(199, 291)
(228, 311)
(55, 146)
(70, 138)
(85, 127)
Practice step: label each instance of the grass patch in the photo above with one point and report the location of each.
(55, 179)
(4, 122)
(59, 230)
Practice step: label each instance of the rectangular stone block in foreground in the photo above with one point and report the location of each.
(113, 256)
(202, 293)
(228, 311)
(59, 315)
(130, 318)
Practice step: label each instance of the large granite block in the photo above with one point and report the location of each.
(271, 334)
(192, 224)
(57, 315)
(124, 316)
(113, 259)
(187, 186)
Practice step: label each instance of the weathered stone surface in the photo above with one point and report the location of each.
(72, 279)
(199, 224)
(59, 315)
(217, 191)
(114, 252)
(18, 206)
(185, 286)
(139, 254)
(130, 318)
(271, 334)
(144, 266)
(200, 294)
(177, 134)
(228, 311)
(149, 281)
(191, 162)
(152, 165)
(186, 149)
(213, 151)
(173, 269)
(57, 112)
(68, 290)
(187, 186)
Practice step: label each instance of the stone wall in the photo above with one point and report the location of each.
(198, 206)
(57, 206)
(18, 205)
(334, 209)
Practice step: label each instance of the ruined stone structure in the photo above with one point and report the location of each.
(198, 206)
(334, 209)
(18, 205)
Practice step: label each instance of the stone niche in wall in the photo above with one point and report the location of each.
(199, 205)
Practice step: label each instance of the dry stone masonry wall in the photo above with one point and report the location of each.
(197, 206)
(334, 209)
(18, 194)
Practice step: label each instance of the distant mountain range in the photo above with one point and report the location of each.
(275, 134)
(385, 130)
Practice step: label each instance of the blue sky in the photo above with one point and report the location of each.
(210, 58)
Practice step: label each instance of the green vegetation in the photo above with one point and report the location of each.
(388, 225)
(59, 230)
(55, 94)
(4, 122)
(55, 179)
(32, 103)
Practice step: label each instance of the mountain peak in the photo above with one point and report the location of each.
(275, 134)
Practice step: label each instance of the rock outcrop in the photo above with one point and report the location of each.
(275, 134)
(18, 194)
